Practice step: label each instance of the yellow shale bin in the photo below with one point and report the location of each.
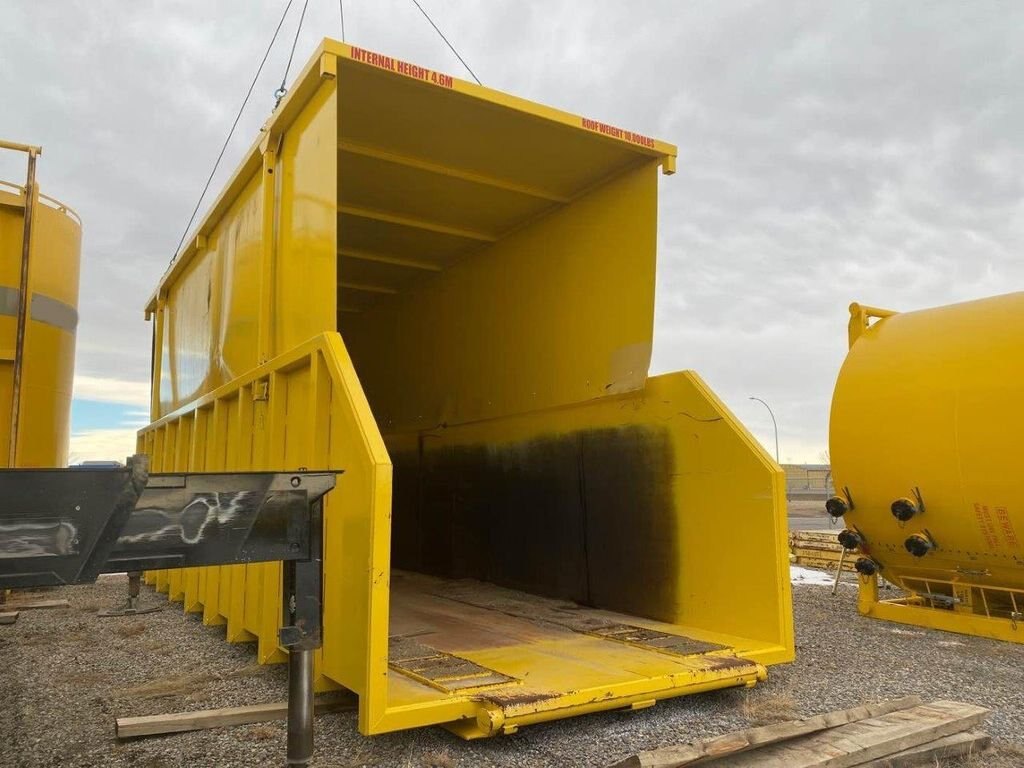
(926, 421)
(448, 293)
(35, 401)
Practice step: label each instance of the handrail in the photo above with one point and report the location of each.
(32, 149)
(928, 594)
(861, 317)
(52, 202)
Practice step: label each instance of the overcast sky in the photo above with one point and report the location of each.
(829, 152)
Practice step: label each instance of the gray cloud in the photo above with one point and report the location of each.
(829, 152)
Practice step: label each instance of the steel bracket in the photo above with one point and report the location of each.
(66, 526)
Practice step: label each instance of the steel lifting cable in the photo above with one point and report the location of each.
(452, 47)
(281, 91)
(234, 125)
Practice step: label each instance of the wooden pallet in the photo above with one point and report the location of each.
(826, 536)
(895, 734)
(25, 605)
(179, 722)
(820, 549)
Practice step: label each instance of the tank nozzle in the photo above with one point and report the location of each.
(904, 509)
(850, 539)
(866, 566)
(837, 506)
(919, 544)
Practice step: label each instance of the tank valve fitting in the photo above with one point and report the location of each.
(903, 509)
(919, 544)
(837, 506)
(850, 539)
(866, 566)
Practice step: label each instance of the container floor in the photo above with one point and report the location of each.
(528, 656)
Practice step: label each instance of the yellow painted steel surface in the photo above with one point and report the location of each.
(48, 355)
(927, 408)
(447, 292)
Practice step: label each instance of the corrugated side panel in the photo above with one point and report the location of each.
(302, 409)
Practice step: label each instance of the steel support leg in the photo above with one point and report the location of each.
(839, 570)
(131, 608)
(301, 635)
(300, 707)
(134, 587)
(126, 520)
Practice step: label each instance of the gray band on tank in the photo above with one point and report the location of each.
(9, 300)
(44, 309)
(53, 312)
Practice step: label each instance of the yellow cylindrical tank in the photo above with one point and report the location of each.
(48, 347)
(926, 426)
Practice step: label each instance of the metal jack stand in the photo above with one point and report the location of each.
(131, 608)
(303, 609)
(61, 527)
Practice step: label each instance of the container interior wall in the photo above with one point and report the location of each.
(511, 389)
(507, 371)
(655, 504)
(557, 312)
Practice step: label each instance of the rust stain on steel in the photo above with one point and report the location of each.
(441, 670)
(727, 662)
(655, 640)
(587, 516)
(520, 698)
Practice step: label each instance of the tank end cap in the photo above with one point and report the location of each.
(903, 509)
(919, 544)
(837, 506)
(850, 539)
(866, 566)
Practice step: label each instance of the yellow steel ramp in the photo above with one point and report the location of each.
(515, 658)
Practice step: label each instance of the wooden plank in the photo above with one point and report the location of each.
(8, 617)
(957, 745)
(19, 606)
(751, 738)
(816, 551)
(832, 560)
(829, 557)
(826, 536)
(179, 722)
(826, 565)
(859, 742)
(823, 549)
(802, 539)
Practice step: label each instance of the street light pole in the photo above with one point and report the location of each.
(774, 424)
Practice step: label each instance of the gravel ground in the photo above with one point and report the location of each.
(807, 508)
(66, 675)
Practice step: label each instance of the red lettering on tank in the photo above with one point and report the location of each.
(986, 525)
(1006, 526)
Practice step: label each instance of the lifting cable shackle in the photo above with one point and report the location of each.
(282, 91)
(231, 132)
